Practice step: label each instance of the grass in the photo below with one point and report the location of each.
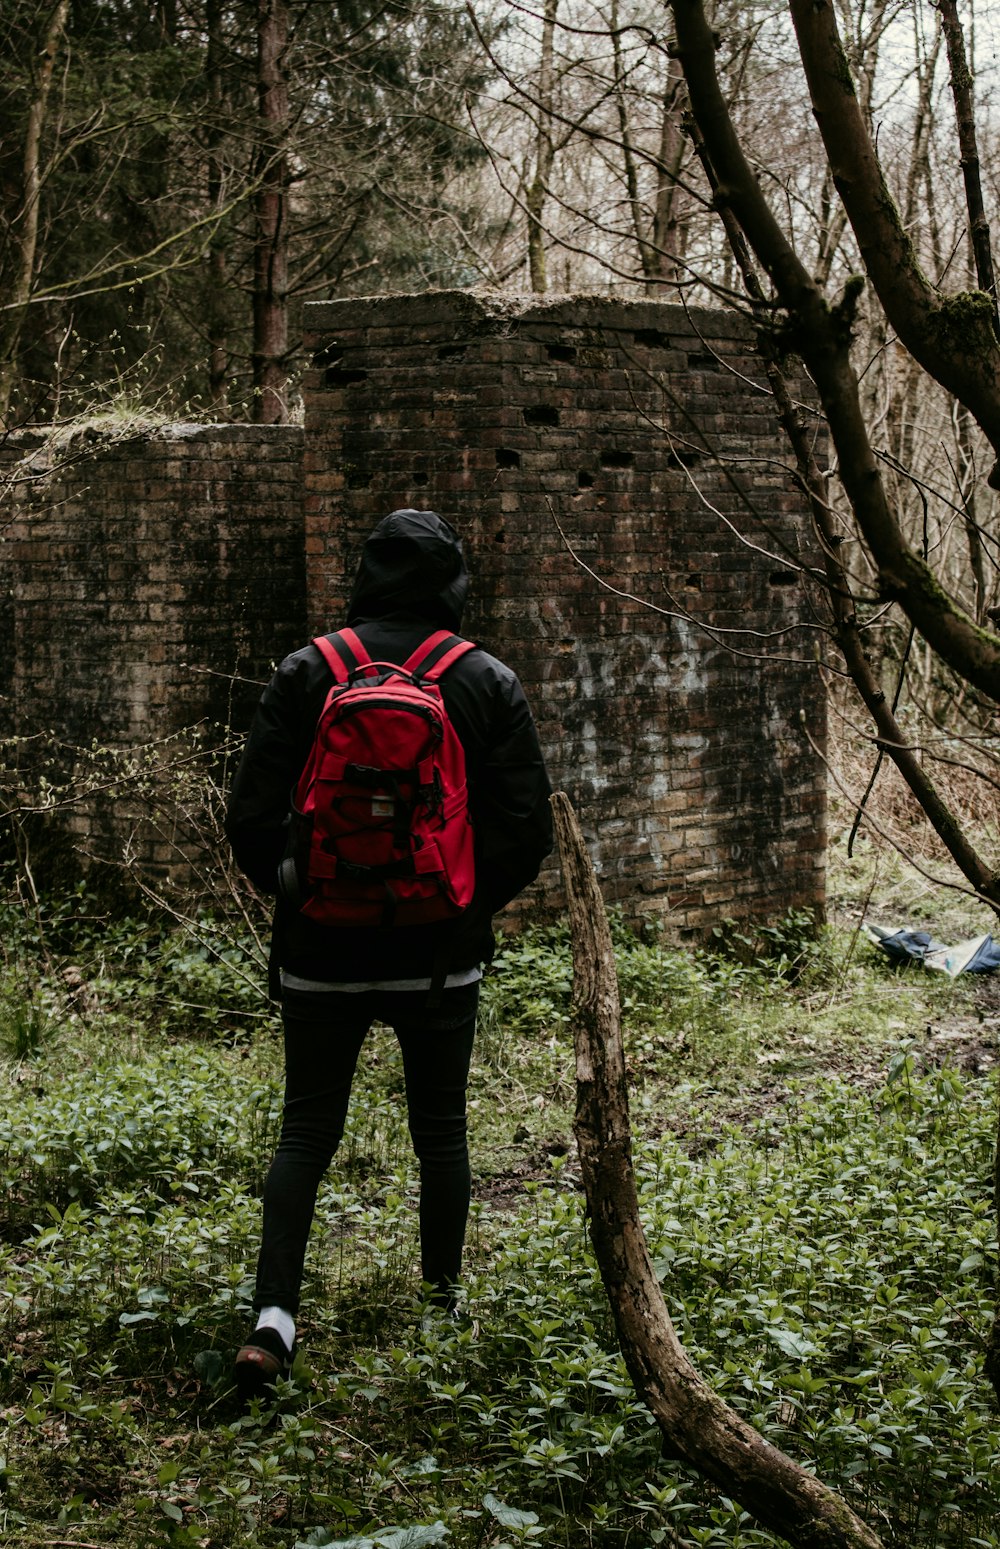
(816, 1176)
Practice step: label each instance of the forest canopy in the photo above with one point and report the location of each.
(178, 176)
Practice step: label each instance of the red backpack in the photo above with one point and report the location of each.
(381, 819)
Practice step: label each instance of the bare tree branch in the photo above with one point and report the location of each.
(822, 336)
(952, 337)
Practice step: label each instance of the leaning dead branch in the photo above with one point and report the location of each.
(697, 1425)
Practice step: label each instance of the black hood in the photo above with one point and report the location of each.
(412, 564)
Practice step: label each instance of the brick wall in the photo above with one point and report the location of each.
(149, 582)
(640, 437)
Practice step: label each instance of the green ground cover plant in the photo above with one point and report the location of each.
(815, 1137)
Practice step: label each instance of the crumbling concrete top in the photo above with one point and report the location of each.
(490, 312)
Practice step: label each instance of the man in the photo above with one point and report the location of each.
(422, 980)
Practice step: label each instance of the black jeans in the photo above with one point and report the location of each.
(324, 1032)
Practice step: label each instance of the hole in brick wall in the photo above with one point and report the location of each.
(420, 475)
(585, 480)
(613, 459)
(541, 414)
(564, 352)
(500, 537)
(783, 578)
(683, 459)
(651, 338)
(507, 457)
(693, 583)
(329, 355)
(452, 351)
(344, 376)
(358, 478)
(704, 363)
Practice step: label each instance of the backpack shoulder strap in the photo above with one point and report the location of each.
(342, 652)
(439, 651)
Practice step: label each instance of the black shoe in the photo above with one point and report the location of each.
(263, 1359)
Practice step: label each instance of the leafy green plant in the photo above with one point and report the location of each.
(26, 1023)
(795, 949)
(826, 1248)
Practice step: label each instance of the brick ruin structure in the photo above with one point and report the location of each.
(150, 581)
(637, 546)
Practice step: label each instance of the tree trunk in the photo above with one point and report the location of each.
(697, 1425)
(218, 353)
(951, 336)
(961, 88)
(982, 252)
(24, 227)
(669, 238)
(270, 293)
(647, 257)
(538, 189)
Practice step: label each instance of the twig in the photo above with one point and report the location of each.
(713, 632)
(968, 891)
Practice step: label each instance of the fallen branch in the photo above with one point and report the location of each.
(697, 1425)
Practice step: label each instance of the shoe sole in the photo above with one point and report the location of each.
(257, 1370)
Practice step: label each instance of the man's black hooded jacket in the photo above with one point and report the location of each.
(411, 581)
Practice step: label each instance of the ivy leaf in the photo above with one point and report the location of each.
(509, 1516)
(412, 1537)
(795, 1345)
(209, 1366)
(322, 1538)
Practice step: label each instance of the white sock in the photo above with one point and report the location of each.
(281, 1321)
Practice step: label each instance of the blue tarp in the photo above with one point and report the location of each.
(978, 955)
